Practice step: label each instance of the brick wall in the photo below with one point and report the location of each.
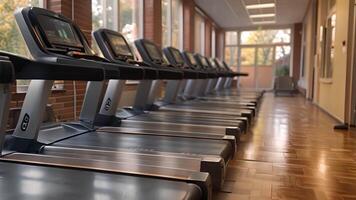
(220, 43)
(188, 24)
(297, 49)
(153, 21)
(208, 29)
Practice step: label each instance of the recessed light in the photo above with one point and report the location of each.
(263, 15)
(262, 5)
(264, 22)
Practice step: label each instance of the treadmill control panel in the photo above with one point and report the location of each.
(154, 53)
(119, 46)
(59, 34)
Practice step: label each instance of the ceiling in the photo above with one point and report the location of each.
(232, 14)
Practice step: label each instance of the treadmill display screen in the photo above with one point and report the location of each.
(177, 56)
(153, 51)
(119, 45)
(192, 59)
(59, 32)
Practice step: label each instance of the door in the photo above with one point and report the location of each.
(259, 62)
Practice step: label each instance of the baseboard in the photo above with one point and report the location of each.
(329, 114)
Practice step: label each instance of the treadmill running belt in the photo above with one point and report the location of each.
(144, 143)
(21, 181)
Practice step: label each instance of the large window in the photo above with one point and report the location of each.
(172, 23)
(124, 16)
(10, 37)
(199, 33)
(263, 54)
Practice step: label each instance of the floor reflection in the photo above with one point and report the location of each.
(293, 152)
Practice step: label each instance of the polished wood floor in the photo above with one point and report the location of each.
(292, 152)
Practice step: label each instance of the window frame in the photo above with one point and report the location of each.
(328, 48)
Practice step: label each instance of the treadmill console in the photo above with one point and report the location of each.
(189, 57)
(153, 52)
(119, 46)
(52, 33)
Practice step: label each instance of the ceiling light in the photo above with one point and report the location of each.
(263, 15)
(263, 5)
(264, 22)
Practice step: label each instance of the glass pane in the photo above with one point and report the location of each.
(266, 36)
(199, 34)
(247, 56)
(282, 60)
(103, 14)
(10, 37)
(231, 56)
(177, 17)
(130, 18)
(231, 38)
(265, 56)
(165, 22)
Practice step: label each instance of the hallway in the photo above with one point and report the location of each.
(292, 153)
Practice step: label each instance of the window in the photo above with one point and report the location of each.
(10, 37)
(130, 17)
(199, 33)
(124, 16)
(264, 54)
(266, 37)
(231, 48)
(172, 23)
(328, 66)
(248, 56)
(213, 43)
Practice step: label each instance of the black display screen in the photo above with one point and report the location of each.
(119, 45)
(177, 56)
(59, 32)
(192, 59)
(153, 52)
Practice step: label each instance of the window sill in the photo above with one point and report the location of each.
(326, 80)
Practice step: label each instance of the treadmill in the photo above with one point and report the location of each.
(227, 86)
(201, 105)
(158, 156)
(148, 54)
(174, 56)
(20, 180)
(194, 126)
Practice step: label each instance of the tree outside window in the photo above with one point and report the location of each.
(11, 39)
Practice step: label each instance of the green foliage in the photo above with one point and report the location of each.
(10, 38)
(282, 71)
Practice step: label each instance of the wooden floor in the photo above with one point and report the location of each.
(292, 152)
